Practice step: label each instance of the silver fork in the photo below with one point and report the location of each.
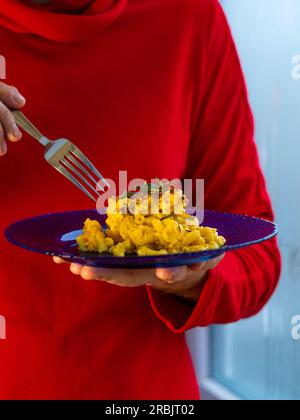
(66, 158)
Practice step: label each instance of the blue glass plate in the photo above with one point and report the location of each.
(54, 234)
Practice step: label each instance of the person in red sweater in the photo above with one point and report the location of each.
(155, 88)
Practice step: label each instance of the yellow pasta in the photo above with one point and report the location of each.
(148, 226)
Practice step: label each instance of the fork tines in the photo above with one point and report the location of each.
(81, 172)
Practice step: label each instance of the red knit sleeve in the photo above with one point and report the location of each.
(223, 152)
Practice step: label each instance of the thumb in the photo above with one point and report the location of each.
(172, 274)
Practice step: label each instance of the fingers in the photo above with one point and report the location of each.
(118, 277)
(3, 145)
(178, 274)
(58, 260)
(10, 98)
(134, 278)
(89, 273)
(76, 269)
(8, 123)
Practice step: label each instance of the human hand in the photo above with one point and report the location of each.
(10, 98)
(185, 281)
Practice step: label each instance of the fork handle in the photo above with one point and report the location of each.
(24, 123)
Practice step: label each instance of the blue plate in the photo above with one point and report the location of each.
(54, 234)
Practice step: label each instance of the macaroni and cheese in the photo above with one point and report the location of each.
(148, 226)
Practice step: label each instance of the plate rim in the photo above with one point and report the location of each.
(147, 258)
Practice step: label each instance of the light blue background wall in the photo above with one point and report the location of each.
(258, 358)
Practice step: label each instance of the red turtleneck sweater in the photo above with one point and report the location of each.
(149, 86)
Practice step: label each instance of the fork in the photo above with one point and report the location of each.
(67, 159)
